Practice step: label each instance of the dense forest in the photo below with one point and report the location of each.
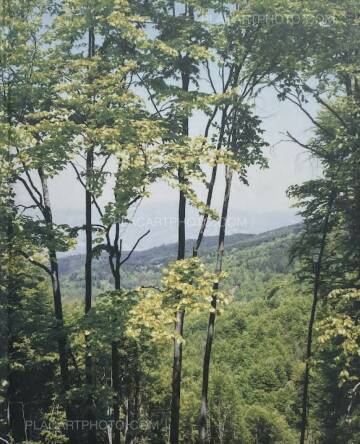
(250, 262)
(226, 339)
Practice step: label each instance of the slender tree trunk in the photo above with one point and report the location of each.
(129, 435)
(62, 340)
(212, 316)
(115, 367)
(137, 389)
(88, 297)
(115, 356)
(88, 202)
(16, 421)
(55, 280)
(130, 410)
(179, 328)
(180, 314)
(133, 408)
(88, 224)
(90, 414)
(181, 215)
(176, 379)
(232, 80)
(316, 288)
(130, 416)
(211, 187)
(308, 355)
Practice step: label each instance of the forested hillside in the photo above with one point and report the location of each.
(257, 360)
(251, 261)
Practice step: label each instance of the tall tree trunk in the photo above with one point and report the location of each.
(130, 432)
(137, 389)
(211, 186)
(115, 370)
(133, 408)
(62, 340)
(88, 201)
(130, 404)
(16, 424)
(88, 225)
(212, 316)
(180, 314)
(55, 280)
(115, 356)
(232, 81)
(88, 296)
(176, 379)
(90, 414)
(316, 288)
(179, 328)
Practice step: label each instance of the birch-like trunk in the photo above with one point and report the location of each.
(212, 316)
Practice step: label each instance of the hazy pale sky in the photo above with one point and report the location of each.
(261, 206)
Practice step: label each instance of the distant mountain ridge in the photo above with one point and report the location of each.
(164, 253)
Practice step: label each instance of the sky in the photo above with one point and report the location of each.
(260, 207)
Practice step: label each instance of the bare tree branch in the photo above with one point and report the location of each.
(210, 77)
(296, 101)
(331, 109)
(33, 186)
(134, 247)
(32, 195)
(35, 262)
(78, 175)
(84, 185)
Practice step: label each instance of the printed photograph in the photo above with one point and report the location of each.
(179, 222)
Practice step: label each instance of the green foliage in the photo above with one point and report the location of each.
(54, 430)
(340, 331)
(267, 426)
(250, 263)
(256, 369)
(186, 285)
(31, 353)
(110, 89)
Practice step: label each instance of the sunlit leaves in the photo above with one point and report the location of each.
(339, 330)
(186, 285)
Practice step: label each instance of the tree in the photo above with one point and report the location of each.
(338, 344)
(328, 78)
(317, 227)
(112, 129)
(181, 42)
(27, 91)
(247, 55)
